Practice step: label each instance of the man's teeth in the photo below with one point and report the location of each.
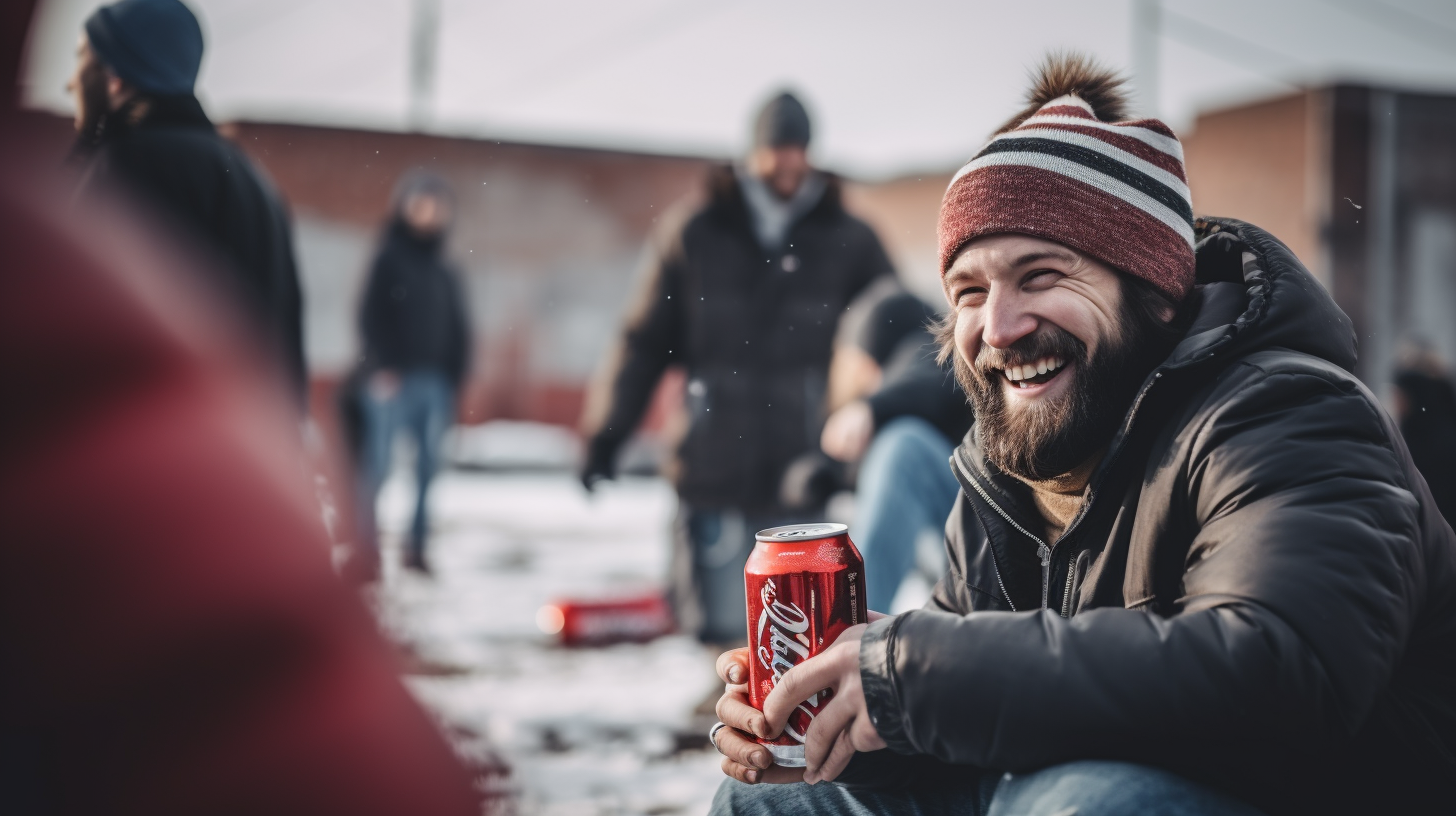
(1025, 372)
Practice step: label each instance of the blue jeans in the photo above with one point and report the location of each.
(905, 487)
(424, 408)
(1089, 788)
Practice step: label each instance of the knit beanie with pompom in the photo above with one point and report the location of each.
(1070, 169)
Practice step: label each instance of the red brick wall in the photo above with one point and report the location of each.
(1262, 163)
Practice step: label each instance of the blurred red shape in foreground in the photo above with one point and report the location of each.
(174, 638)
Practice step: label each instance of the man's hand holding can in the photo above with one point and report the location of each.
(842, 728)
(744, 758)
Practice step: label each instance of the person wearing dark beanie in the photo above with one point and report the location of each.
(142, 134)
(782, 122)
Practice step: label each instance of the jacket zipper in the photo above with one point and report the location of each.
(1042, 549)
(1067, 593)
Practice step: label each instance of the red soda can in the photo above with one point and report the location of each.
(805, 585)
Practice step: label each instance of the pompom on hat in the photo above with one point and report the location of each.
(1068, 170)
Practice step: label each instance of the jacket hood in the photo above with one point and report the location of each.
(1271, 301)
(419, 181)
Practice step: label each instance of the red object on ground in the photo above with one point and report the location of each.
(805, 585)
(597, 623)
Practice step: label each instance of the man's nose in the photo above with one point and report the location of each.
(1006, 319)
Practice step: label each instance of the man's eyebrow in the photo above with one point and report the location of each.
(961, 274)
(1042, 255)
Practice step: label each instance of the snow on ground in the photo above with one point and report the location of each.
(584, 731)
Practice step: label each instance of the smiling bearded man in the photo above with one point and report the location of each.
(1192, 568)
(1038, 430)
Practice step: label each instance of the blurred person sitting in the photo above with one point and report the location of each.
(174, 639)
(1193, 567)
(1425, 406)
(745, 293)
(416, 338)
(142, 133)
(900, 431)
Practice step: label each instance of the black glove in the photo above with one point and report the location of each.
(601, 455)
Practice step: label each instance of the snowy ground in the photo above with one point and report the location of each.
(583, 731)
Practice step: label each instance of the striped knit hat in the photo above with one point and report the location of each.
(1114, 190)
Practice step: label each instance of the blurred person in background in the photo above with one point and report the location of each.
(1194, 569)
(900, 430)
(745, 293)
(416, 338)
(142, 133)
(1425, 406)
(174, 639)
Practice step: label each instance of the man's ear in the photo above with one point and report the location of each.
(118, 93)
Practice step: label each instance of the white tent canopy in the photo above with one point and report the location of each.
(894, 88)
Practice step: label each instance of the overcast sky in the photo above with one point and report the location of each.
(894, 87)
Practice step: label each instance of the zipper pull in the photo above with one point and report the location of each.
(1046, 571)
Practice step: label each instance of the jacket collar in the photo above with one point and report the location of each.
(772, 217)
(1271, 301)
(399, 236)
(725, 198)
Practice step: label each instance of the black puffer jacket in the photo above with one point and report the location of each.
(1259, 593)
(413, 315)
(207, 191)
(753, 328)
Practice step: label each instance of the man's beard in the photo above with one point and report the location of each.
(1054, 435)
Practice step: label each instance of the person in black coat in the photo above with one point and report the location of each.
(143, 134)
(745, 293)
(416, 350)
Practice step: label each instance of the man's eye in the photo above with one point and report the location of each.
(970, 295)
(1041, 279)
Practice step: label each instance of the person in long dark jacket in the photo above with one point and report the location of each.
(142, 132)
(1192, 569)
(416, 337)
(745, 294)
